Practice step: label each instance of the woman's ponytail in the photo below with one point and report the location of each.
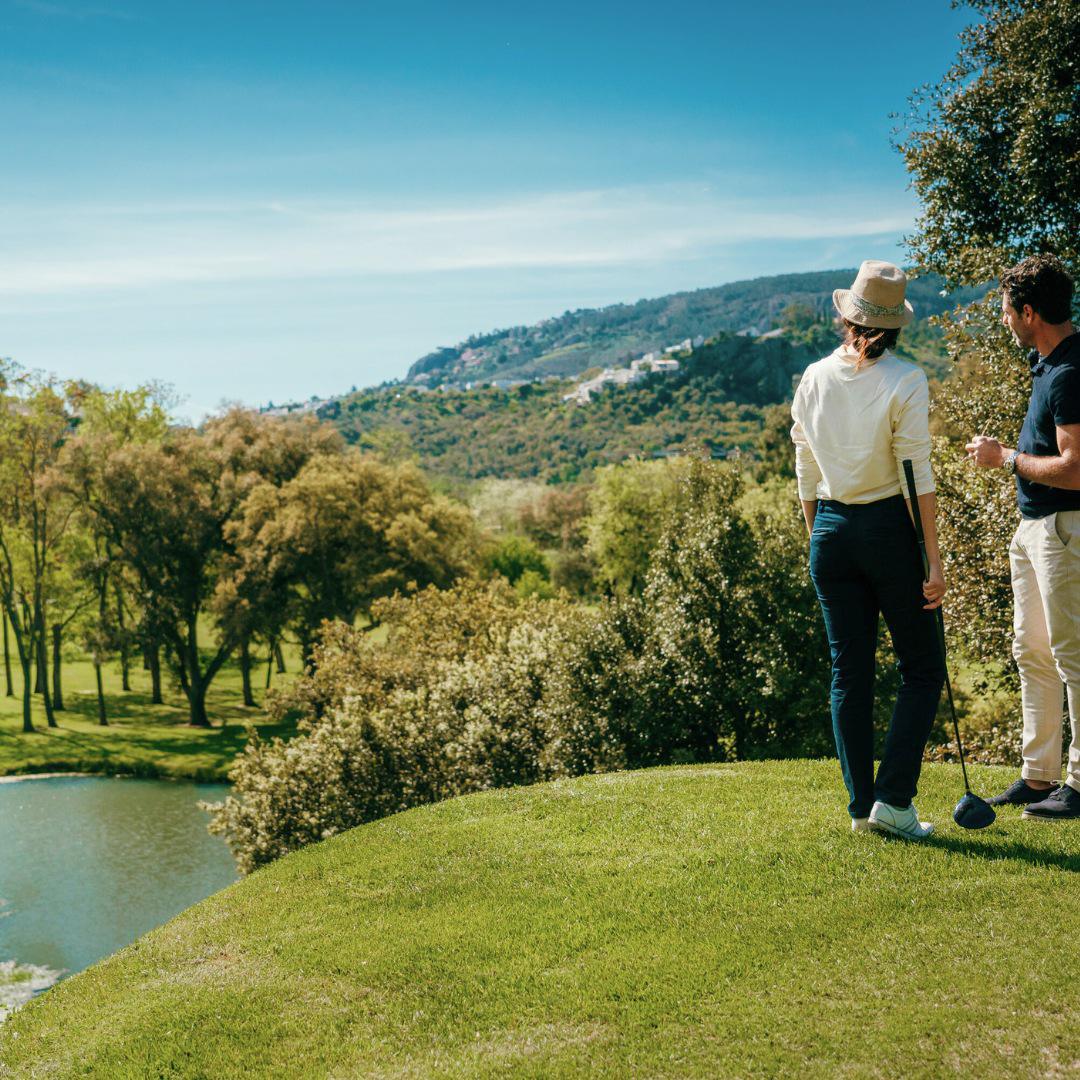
(870, 342)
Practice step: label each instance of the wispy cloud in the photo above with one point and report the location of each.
(64, 249)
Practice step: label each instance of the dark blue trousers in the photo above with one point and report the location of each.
(865, 562)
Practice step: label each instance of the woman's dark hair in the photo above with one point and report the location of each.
(1043, 282)
(869, 342)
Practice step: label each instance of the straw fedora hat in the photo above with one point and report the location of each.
(876, 298)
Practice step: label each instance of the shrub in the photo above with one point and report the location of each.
(514, 556)
(447, 705)
(723, 656)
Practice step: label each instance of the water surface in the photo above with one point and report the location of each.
(88, 864)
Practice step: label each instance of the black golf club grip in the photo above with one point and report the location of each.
(909, 475)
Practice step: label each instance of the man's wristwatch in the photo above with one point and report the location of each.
(1009, 463)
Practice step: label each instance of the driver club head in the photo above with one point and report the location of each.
(973, 813)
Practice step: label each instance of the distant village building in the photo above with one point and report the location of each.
(683, 346)
(651, 362)
(300, 408)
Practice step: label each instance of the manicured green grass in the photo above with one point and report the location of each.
(141, 739)
(702, 921)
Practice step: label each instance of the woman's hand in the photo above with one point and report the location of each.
(934, 588)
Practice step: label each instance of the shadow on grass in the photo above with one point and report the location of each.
(136, 705)
(996, 849)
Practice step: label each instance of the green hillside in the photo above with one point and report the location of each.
(577, 340)
(715, 400)
(706, 921)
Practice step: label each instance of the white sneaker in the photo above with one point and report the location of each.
(860, 824)
(905, 823)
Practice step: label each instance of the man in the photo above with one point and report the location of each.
(1036, 305)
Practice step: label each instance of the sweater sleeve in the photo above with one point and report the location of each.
(807, 471)
(911, 434)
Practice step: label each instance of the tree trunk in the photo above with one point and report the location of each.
(194, 685)
(271, 653)
(27, 674)
(153, 658)
(39, 666)
(102, 719)
(279, 656)
(197, 704)
(125, 675)
(24, 648)
(43, 665)
(245, 672)
(57, 689)
(7, 659)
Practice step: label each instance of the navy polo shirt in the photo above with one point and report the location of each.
(1055, 402)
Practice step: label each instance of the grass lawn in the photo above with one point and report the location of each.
(141, 739)
(702, 921)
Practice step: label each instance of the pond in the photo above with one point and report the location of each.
(88, 864)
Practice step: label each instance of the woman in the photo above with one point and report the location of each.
(858, 414)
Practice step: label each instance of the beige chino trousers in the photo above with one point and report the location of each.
(1045, 560)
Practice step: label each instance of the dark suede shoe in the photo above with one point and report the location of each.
(1020, 794)
(1063, 805)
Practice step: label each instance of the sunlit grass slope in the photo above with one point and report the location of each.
(692, 921)
(141, 739)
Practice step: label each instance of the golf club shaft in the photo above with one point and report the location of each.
(909, 475)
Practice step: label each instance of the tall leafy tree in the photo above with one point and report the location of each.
(994, 154)
(628, 505)
(34, 516)
(106, 421)
(346, 530)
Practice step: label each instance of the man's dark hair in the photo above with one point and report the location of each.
(1043, 282)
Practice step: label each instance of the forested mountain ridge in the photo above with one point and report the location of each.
(571, 343)
(715, 399)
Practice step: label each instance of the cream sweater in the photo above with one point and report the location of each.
(853, 429)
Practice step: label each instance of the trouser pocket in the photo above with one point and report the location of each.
(1066, 524)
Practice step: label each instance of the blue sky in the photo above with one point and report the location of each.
(265, 201)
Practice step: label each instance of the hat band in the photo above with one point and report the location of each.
(876, 310)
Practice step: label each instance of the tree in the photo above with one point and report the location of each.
(69, 593)
(994, 148)
(514, 556)
(775, 452)
(107, 420)
(250, 601)
(346, 530)
(628, 505)
(994, 154)
(34, 516)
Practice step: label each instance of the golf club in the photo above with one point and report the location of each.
(971, 812)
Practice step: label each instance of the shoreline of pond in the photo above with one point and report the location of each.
(118, 859)
(14, 778)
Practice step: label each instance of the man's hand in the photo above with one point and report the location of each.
(934, 588)
(985, 452)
